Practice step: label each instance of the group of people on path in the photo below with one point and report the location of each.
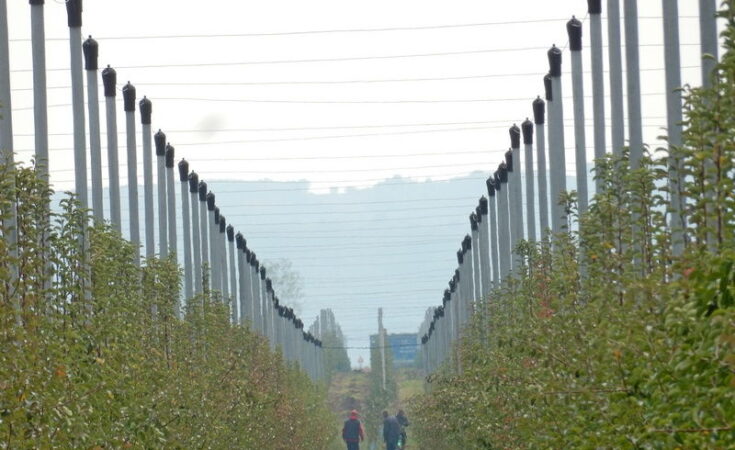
(394, 431)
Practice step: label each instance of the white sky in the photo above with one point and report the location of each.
(210, 134)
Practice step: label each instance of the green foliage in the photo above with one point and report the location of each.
(94, 355)
(379, 398)
(637, 351)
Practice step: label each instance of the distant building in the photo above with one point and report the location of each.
(403, 346)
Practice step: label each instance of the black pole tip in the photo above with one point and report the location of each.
(109, 80)
(91, 50)
(36, 2)
(193, 182)
(74, 13)
(574, 30)
(222, 224)
(594, 6)
(230, 233)
(490, 183)
(238, 241)
(547, 87)
(467, 243)
(515, 136)
(484, 204)
(169, 156)
(262, 273)
(460, 256)
(527, 127)
(502, 173)
(539, 111)
(146, 109)
(554, 55)
(509, 161)
(473, 222)
(202, 191)
(216, 215)
(160, 140)
(210, 201)
(183, 170)
(129, 97)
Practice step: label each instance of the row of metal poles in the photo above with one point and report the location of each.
(487, 257)
(216, 259)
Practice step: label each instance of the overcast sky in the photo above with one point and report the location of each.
(243, 88)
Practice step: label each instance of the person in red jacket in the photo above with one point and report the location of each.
(353, 432)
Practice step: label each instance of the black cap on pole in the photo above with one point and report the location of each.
(473, 222)
(490, 183)
(74, 13)
(467, 242)
(109, 80)
(146, 109)
(594, 6)
(262, 273)
(230, 233)
(457, 276)
(160, 140)
(36, 2)
(222, 224)
(169, 156)
(539, 111)
(515, 136)
(193, 182)
(269, 285)
(509, 161)
(554, 55)
(503, 173)
(129, 97)
(478, 214)
(248, 254)
(484, 205)
(574, 30)
(239, 241)
(547, 88)
(183, 170)
(460, 256)
(216, 215)
(91, 50)
(202, 191)
(527, 127)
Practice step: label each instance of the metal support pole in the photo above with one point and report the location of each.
(74, 11)
(109, 80)
(222, 249)
(485, 249)
(633, 83)
(594, 9)
(617, 121)
(493, 239)
(129, 106)
(515, 196)
(477, 282)
(145, 118)
(257, 316)
(40, 103)
(160, 140)
(213, 225)
(264, 304)
(204, 234)
(674, 118)
(501, 189)
(574, 30)
(241, 268)
(186, 221)
(91, 52)
(233, 272)
(539, 112)
(196, 243)
(527, 128)
(171, 205)
(557, 157)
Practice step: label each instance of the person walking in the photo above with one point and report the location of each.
(391, 431)
(403, 421)
(353, 432)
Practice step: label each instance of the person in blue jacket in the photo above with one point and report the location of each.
(353, 432)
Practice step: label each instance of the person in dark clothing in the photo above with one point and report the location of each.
(403, 421)
(353, 432)
(391, 431)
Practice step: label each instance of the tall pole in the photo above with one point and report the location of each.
(539, 112)
(145, 119)
(493, 239)
(186, 221)
(475, 226)
(574, 30)
(212, 241)
(501, 189)
(633, 79)
(204, 234)
(40, 103)
(171, 204)
(381, 343)
(129, 106)
(485, 248)
(241, 268)
(527, 128)
(594, 9)
(222, 245)
(614, 44)
(160, 140)
(109, 80)
(196, 242)
(255, 289)
(557, 158)
(674, 118)
(264, 303)
(6, 142)
(232, 271)
(74, 12)
(91, 52)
